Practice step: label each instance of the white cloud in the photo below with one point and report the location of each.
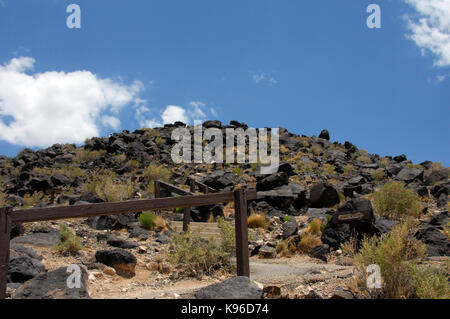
(430, 28)
(195, 110)
(110, 121)
(174, 113)
(263, 77)
(41, 109)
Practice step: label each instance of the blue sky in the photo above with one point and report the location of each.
(303, 65)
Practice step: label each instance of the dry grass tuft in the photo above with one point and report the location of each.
(257, 221)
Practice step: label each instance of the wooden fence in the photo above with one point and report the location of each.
(8, 216)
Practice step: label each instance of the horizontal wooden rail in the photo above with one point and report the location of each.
(99, 209)
(173, 189)
(194, 184)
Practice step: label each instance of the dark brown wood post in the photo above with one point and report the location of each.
(5, 233)
(241, 224)
(192, 185)
(187, 218)
(157, 189)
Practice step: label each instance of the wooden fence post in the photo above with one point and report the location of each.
(5, 233)
(241, 224)
(186, 219)
(157, 189)
(192, 185)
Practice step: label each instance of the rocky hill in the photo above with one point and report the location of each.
(317, 181)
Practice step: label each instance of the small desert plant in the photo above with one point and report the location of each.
(237, 170)
(69, 243)
(378, 175)
(107, 187)
(350, 247)
(316, 150)
(349, 169)
(35, 198)
(384, 162)
(86, 156)
(364, 159)
(428, 284)
(327, 169)
(286, 218)
(202, 256)
(228, 235)
(308, 241)
(119, 159)
(147, 220)
(257, 221)
(315, 227)
(306, 166)
(436, 166)
(160, 141)
(398, 255)
(156, 172)
(393, 200)
(133, 163)
(284, 150)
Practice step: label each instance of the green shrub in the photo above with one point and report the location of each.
(378, 175)
(69, 243)
(107, 187)
(237, 170)
(327, 169)
(306, 166)
(87, 156)
(393, 200)
(349, 169)
(398, 255)
(147, 220)
(384, 162)
(156, 172)
(201, 256)
(160, 141)
(227, 235)
(364, 159)
(35, 198)
(286, 218)
(428, 284)
(316, 150)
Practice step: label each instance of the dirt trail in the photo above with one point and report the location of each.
(288, 273)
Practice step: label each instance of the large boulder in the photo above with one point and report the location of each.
(54, 285)
(319, 213)
(234, 288)
(323, 195)
(434, 176)
(219, 180)
(438, 244)
(338, 231)
(325, 135)
(409, 174)
(272, 181)
(121, 243)
(289, 228)
(22, 268)
(121, 260)
(285, 197)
